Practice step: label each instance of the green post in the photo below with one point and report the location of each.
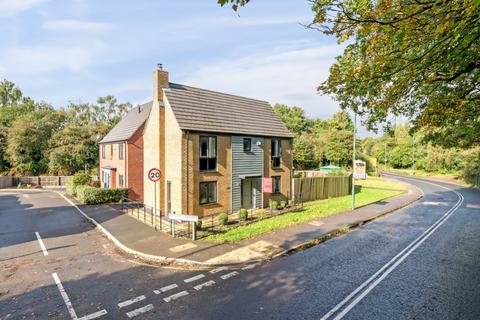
(354, 156)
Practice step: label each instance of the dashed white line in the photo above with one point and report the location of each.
(205, 284)
(139, 311)
(217, 270)
(65, 297)
(229, 275)
(165, 289)
(94, 315)
(197, 277)
(250, 266)
(175, 296)
(131, 301)
(45, 252)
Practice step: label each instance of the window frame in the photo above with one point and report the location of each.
(250, 149)
(208, 156)
(215, 193)
(277, 184)
(103, 151)
(121, 153)
(111, 151)
(277, 158)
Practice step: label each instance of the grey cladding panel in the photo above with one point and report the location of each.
(245, 164)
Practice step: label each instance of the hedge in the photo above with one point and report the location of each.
(81, 179)
(72, 189)
(91, 195)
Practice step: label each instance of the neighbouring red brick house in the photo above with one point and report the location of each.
(121, 153)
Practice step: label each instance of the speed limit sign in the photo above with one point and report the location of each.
(154, 174)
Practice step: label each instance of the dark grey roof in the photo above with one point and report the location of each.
(204, 110)
(129, 124)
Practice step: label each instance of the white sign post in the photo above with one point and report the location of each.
(154, 175)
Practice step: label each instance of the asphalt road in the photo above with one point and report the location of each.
(422, 262)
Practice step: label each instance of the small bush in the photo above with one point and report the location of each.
(290, 203)
(283, 204)
(71, 189)
(95, 184)
(90, 195)
(243, 214)
(199, 224)
(222, 218)
(274, 205)
(81, 179)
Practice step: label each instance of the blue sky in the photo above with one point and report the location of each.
(60, 51)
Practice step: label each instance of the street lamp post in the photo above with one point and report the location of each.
(354, 156)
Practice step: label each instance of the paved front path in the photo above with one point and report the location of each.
(142, 238)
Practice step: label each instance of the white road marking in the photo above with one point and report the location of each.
(218, 270)
(131, 301)
(229, 275)
(139, 311)
(45, 252)
(250, 266)
(205, 284)
(391, 265)
(197, 277)
(317, 223)
(94, 315)
(175, 296)
(165, 289)
(65, 297)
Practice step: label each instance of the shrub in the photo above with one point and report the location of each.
(90, 195)
(283, 204)
(81, 179)
(95, 184)
(222, 218)
(71, 189)
(243, 214)
(290, 203)
(199, 224)
(274, 205)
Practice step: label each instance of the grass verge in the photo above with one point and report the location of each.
(371, 190)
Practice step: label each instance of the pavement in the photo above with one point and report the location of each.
(419, 263)
(143, 242)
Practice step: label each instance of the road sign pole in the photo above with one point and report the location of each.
(354, 156)
(155, 205)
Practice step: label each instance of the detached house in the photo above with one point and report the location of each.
(212, 148)
(121, 153)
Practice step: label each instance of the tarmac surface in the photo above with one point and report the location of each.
(420, 262)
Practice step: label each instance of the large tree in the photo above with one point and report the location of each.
(420, 59)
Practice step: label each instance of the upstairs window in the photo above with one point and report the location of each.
(208, 153)
(121, 182)
(111, 151)
(120, 151)
(276, 153)
(247, 145)
(103, 151)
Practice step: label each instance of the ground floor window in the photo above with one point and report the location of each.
(208, 192)
(120, 181)
(276, 184)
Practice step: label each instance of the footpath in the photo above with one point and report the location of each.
(141, 241)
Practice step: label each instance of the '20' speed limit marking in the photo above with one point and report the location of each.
(154, 174)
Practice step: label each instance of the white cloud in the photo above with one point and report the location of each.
(77, 25)
(13, 7)
(285, 75)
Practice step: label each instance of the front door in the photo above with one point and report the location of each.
(251, 191)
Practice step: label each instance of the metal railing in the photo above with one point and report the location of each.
(145, 214)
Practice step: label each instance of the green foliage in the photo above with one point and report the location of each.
(81, 179)
(283, 203)
(243, 214)
(303, 154)
(390, 67)
(199, 224)
(72, 189)
(274, 205)
(91, 195)
(339, 148)
(222, 218)
(235, 3)
(293, 117)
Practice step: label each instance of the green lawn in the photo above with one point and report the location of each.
(372, 190)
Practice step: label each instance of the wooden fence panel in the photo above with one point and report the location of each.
(44, 181)
(6, 182)
(317, 188)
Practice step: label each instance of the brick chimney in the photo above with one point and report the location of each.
(160, 81)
